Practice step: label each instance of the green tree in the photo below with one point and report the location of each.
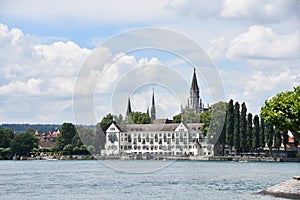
(270, 135)
(236, 130)
(296, 141)
(23, 144)
(67, 133)
(190, 117)
(262, 140)
(255, 139)
(285, 139)
(205, 118)
(230, 124)
(222, 138)
(218, 115)
(119, 119)
(249, 131)
(68, 149)
(139, 118)
(6, 136)
(177, 118)
(5, 153)
(106, 122)
(92, 137)
(76, 140)
(243, 127)
(277, 140)
(283, 111)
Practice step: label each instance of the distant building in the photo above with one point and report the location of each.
(47, 139)
(157, 139)
(194, 102)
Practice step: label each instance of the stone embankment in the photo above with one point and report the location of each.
(289, 189)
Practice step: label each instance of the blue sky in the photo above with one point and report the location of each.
(254, 44)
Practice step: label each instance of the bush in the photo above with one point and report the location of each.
(68, 149)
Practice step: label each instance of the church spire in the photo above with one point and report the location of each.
(194, 99)
(153, 111)
(194, 85)
(128, 108)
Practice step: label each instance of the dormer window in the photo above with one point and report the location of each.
(112, 128)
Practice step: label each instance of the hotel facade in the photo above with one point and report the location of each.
(157, 140)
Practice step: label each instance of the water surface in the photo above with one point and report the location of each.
(176, 180)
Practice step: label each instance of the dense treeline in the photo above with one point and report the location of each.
(69, 142)
(21, 128)
(245, 133)
(13, 145)
(235, 128)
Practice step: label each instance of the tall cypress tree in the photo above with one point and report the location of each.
(243, 127)
(249, 132)
(222, 138)
(236, 130)
(270, 135)
(285, 140)
(277, 139)
(255, 139)
(229, 124)
(262, 140)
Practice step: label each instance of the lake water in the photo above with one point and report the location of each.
(152, 180)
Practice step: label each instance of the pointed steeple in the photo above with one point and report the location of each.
(128, 109)
(193, 101)
(148, 111)
(153, 111)
(194, 85)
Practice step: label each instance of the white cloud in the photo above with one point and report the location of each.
(33, 75)
(260, 42)
(201, 9)
(217, 48)
(261, 10)
(31, 87)
(28, 67)
(90, 12)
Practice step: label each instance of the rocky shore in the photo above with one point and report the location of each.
(289, 189)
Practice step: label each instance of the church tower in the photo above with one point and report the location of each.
(153, 111)
(194, 103)
(128, 109)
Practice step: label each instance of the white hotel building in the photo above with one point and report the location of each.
(156, 140)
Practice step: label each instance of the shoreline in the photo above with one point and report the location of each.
(185, 158)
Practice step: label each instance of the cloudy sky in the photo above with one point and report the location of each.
(254, 44)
